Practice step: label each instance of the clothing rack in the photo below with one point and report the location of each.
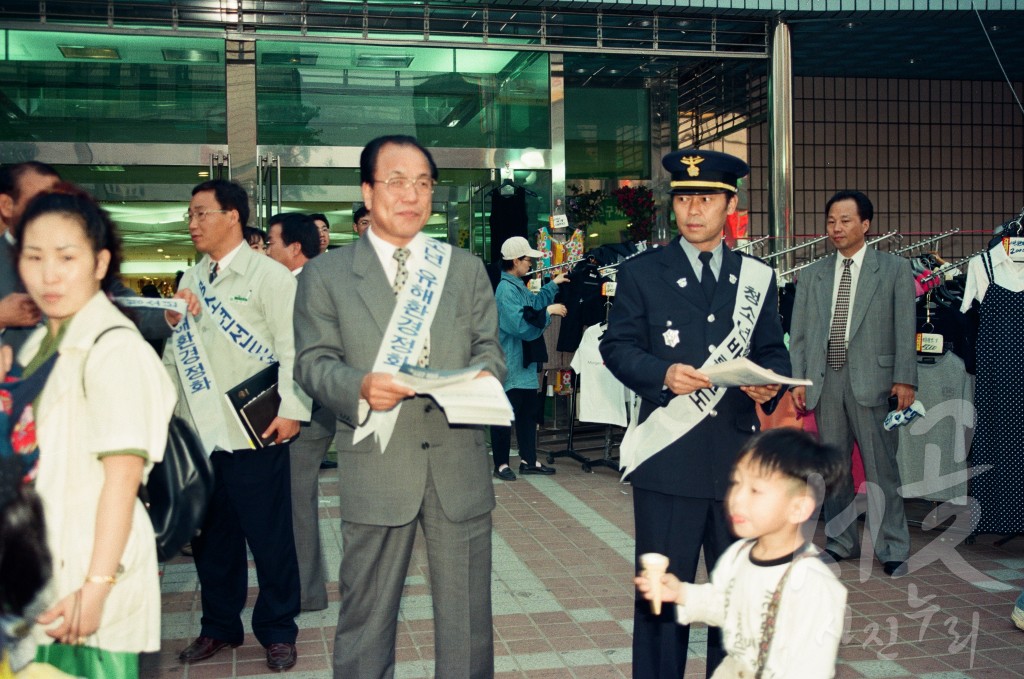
(788, 272)
(750, 244)
(570, 263)
(587, 464)
(927, 241)
(806, 244)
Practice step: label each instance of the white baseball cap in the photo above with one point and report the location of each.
(517, 247)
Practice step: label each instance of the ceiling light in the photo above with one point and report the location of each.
(204, 173)
(851, 25)
(159, 249)
(613, 71)
(288, 59)
(85, 52)
(106, 168)
(191, 56)
(383, 60)
(581, 71)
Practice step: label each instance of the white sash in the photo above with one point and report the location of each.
(240, 336)
(667, 424)
(194, 370)
(407, 330)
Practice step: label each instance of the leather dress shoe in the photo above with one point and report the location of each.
(832, 555)
(203, 648)
(281, 656)
(895, 568)
(535, 469)
(505, 474)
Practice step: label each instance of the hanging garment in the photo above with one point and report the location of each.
(998, 398)
(508, 218)
(585, 304)
(932, 455)
(602, 398)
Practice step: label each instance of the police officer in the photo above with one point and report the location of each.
(677, 308)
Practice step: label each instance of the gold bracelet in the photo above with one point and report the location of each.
(102, 579)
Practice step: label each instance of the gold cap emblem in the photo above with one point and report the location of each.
(691, 163)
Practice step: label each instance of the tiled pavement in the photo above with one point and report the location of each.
(563, 597)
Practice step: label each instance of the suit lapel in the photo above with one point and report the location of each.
(824, 283)
(372, 284)
(679, 276)
(867, 282)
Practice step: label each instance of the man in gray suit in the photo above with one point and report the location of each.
(853, 335)
(293, 239)
(428, 474)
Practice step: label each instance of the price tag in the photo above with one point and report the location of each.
(534, 285)
(1014, 247)
(608, 289)
(929, 343)
(559, 221)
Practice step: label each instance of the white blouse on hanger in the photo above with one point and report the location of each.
(1008, 274)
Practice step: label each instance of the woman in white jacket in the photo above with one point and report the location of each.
(101, 422)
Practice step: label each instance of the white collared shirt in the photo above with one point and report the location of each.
(855, 267)
(386, 252)
(225, 261)
(692, 254)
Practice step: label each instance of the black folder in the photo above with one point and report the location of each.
(255, 402)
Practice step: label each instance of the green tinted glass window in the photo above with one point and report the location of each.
(345, 95)
(612, 145)
(112, 88)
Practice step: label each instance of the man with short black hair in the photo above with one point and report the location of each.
(241, 304)
(397, 290)
(19, 184)
(678, 309)
(293, 241)
(360, 220)
(323, 228)
(853, 334)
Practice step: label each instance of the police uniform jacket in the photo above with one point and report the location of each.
(659, 291)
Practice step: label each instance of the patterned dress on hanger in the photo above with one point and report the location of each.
(999, 403)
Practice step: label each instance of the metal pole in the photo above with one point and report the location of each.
(780, 140)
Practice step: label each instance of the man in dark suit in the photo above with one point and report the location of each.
(420, 471)
(293, 239)
(19, 184)
(678, 308)
(853, 334)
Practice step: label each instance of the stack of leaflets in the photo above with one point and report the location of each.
(465, 397)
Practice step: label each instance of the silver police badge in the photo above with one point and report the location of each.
(671, 337)
(681, 282)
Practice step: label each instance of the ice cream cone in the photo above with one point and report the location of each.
(654, 566)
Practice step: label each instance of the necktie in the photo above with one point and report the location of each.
(401, 255)
(214, 270)
(837, 333)
(707, 278)
(402, 275)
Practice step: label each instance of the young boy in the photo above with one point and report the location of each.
(780, 609)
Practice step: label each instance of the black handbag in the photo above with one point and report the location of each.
(178, 490)
(179, 487)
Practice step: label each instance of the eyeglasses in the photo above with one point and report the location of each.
(200, 215)
(323, 229)
(401, 184)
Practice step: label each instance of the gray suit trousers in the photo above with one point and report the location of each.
(841, 420)
(373, 571)
(306, 453)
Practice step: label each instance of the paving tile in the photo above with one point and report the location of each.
(563, 599)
